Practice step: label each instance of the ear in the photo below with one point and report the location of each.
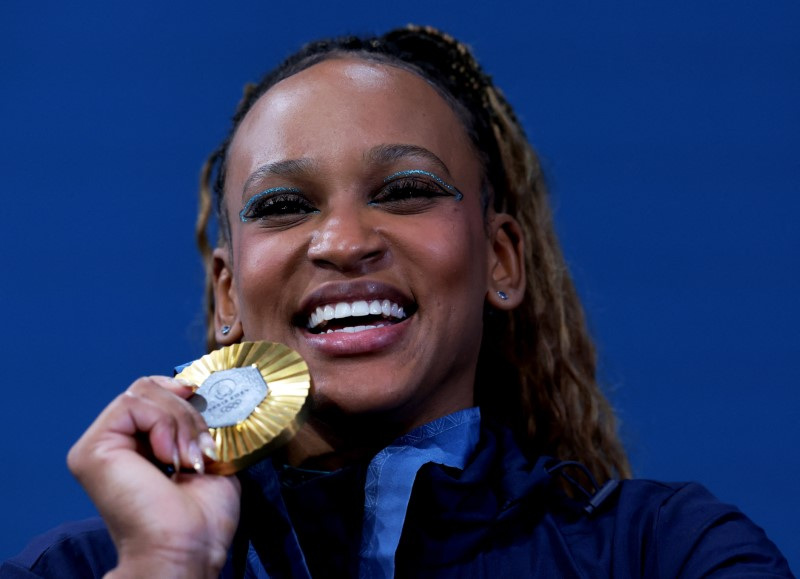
(506, 262)
(226, 308)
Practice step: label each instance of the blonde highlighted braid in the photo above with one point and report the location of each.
(536, 371)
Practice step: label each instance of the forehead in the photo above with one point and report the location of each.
(341, 106)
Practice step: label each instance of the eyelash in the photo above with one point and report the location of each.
(406, 191)
(282, 203)
(438, 180)
(403, 192)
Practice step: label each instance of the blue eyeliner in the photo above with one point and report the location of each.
(266, 193)
(411, 172)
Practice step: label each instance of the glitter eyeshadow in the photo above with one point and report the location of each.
(258, 196)
(413, 172)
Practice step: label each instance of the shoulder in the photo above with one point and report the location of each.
(681, 530)
(77, 549)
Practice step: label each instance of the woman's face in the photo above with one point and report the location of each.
(347, 178)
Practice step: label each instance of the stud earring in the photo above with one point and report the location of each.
(502, 295)
(225, 330)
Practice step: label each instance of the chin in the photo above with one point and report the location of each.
(374, 407)
(352, 399)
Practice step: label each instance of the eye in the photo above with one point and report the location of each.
(276, 207)
(413, 191)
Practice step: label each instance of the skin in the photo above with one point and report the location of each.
(172, 530)
(440, 258)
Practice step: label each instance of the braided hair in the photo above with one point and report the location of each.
(536, 369)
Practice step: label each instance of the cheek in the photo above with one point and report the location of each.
(265, 267)
(451, 254)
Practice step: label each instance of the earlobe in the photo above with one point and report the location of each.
(506, 283)
(227, 326)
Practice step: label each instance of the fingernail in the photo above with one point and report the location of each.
(183, 382)
(208, 446)
(196, 458)
(176, 462)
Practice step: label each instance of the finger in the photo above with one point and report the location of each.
(205, 442)
(183, 390)
(196, 450)
(191, 431)
(122, 428)
(180, 387)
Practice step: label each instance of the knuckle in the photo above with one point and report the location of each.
(170, 423)
(75, 460)
(72, 459)
(140, 385)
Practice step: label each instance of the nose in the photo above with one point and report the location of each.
(348, 241)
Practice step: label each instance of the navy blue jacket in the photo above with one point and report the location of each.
(502, 516)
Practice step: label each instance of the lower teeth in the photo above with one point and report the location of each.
(355, 329)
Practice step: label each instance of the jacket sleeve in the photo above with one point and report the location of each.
(695, 535)
(82, 549)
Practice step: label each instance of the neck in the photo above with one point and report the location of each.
(331, 442)
(332, 439)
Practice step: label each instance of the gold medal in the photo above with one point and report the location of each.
(253, 397)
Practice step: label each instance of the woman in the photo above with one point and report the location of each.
(381, 212)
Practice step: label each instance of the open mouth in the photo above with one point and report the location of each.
(356, 316)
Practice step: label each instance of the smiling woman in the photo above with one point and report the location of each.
(346, 173)
(382, 213)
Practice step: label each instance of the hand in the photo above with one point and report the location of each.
(162, 526)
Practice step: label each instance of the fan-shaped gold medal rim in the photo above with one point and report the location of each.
(275, 420)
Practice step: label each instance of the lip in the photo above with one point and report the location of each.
(350, 344)
(366, 342)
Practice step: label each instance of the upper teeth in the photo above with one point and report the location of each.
(357, 308)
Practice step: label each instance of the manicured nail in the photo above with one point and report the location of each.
(208, 446)
(196, 458)
(176, 462)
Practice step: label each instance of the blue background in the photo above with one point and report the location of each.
(669, 131)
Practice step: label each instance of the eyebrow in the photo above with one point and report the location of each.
(289, 168)
(380, 155)
(391, 153)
